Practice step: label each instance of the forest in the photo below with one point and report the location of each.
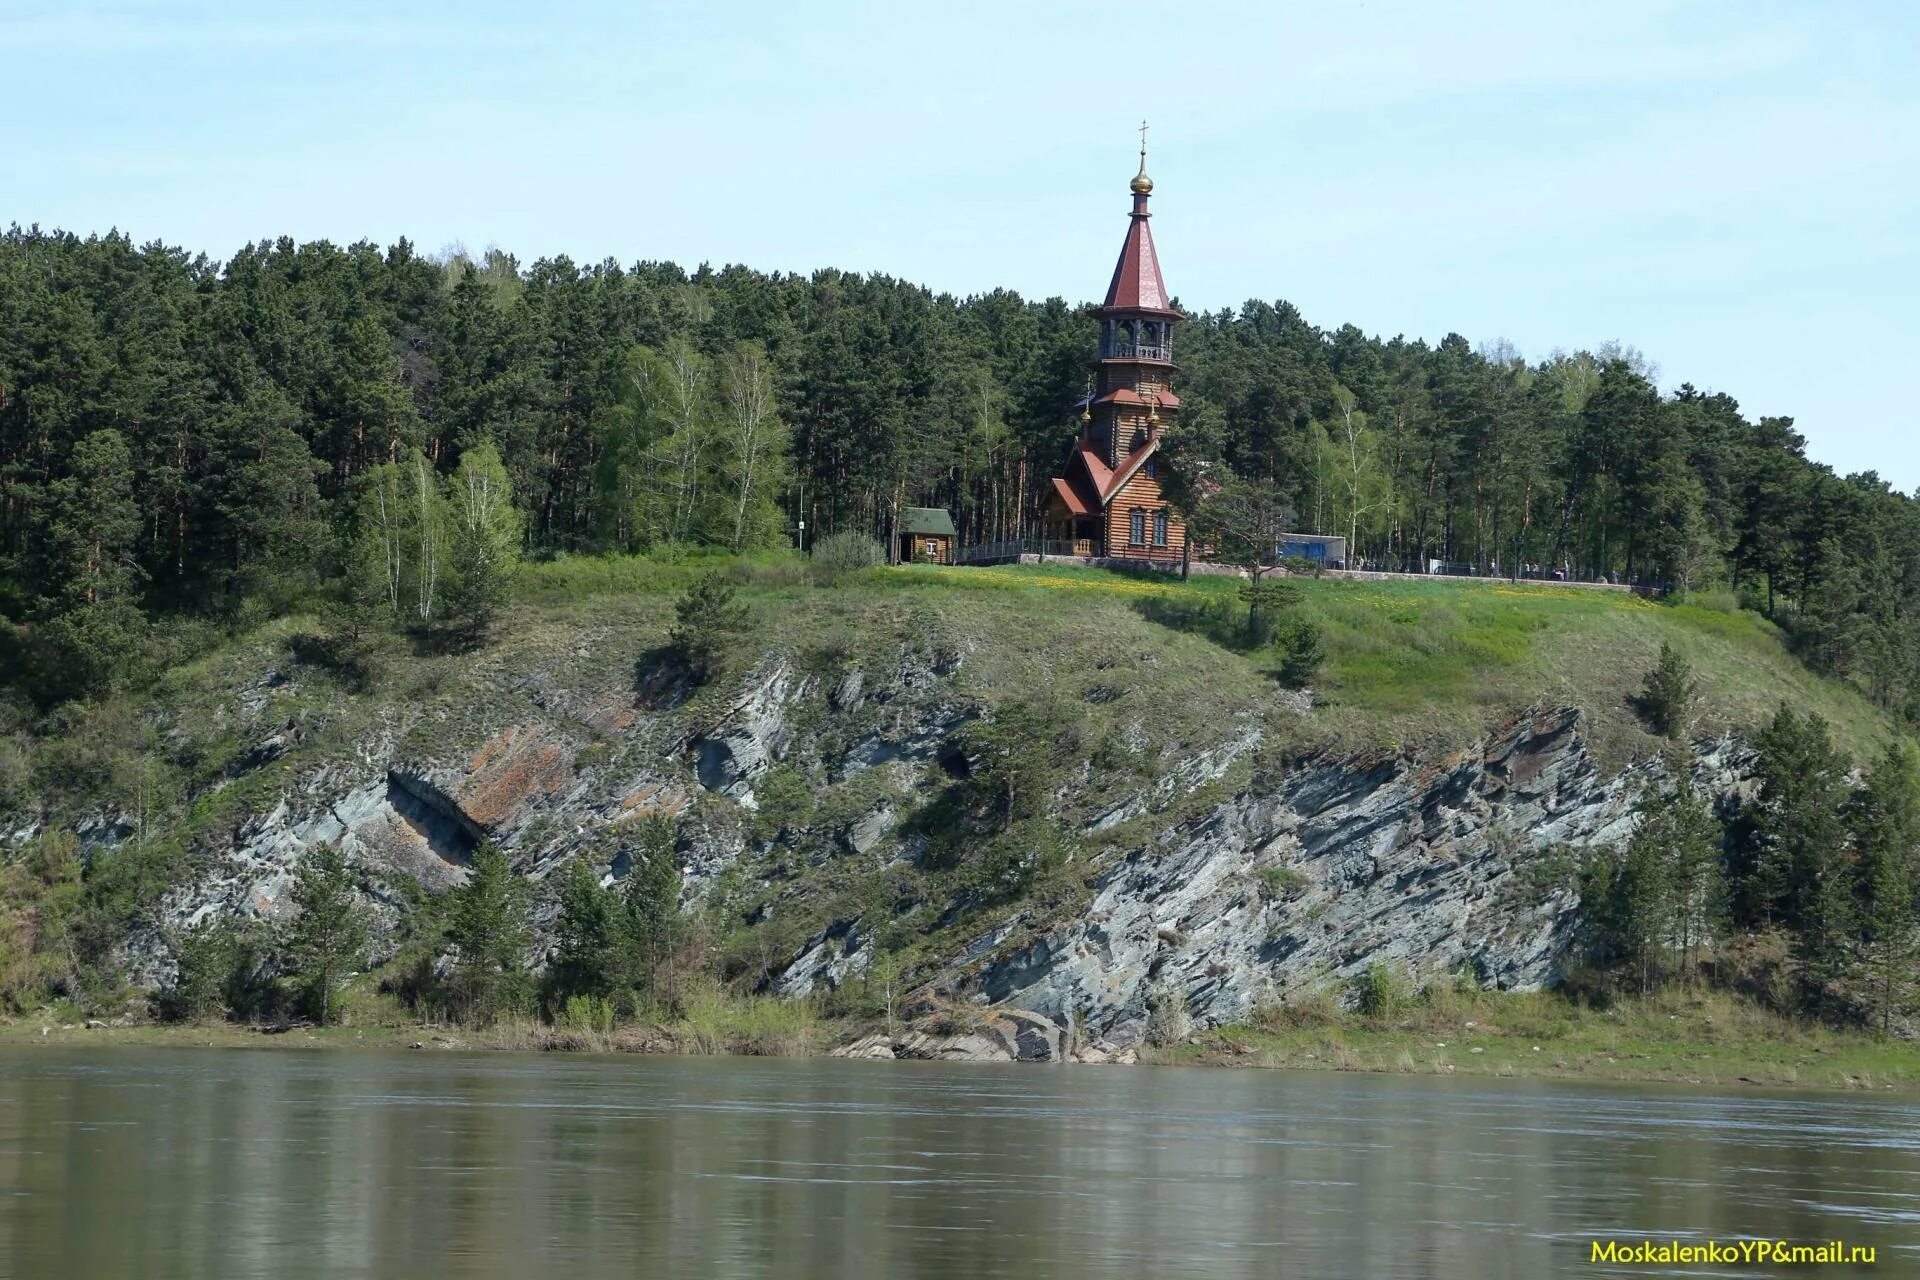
(188, 446)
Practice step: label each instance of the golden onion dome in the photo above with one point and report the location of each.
(1141, 184)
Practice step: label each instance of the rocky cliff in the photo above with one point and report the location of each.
(1233, 861)
(1312, 876)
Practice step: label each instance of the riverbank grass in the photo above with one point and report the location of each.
(1698, 1037)
(1704, 1038)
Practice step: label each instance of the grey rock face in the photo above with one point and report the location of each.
(1337, 867)
(829, 958)
(754, 736)
(1003, 1035)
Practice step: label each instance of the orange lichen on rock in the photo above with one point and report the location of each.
(509, 769)
(645, 800)
(613, 716)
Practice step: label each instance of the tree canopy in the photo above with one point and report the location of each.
(185, 436)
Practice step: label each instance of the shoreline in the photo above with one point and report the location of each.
(1821, 1061)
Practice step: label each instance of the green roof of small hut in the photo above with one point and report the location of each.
(927, 520)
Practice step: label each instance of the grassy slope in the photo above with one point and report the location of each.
(1431, 663)
(1410, 664)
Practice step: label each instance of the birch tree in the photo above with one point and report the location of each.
(485, 547)
(399, 538)
(679, 387)
(1365, 488)
(756, 444)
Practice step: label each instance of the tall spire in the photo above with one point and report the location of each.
(1136, 277)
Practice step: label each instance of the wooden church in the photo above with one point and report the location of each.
(1111, 503)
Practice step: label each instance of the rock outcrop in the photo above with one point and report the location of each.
(1332, 868)
(997, 1035)
(1217, 881)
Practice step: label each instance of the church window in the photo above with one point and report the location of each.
(1160, 527)
(1137, 527)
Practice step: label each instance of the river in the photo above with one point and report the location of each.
(152, 1163)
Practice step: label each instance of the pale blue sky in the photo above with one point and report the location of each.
(1730, 187)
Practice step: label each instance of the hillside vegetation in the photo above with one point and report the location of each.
(1417, 665)
(191, 446)
(1122, 673)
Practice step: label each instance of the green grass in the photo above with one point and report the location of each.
(1693, 1037)
(710, 1020)
(1701, 1038)
(1408, 663)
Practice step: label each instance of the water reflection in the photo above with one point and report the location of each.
(158, 1163)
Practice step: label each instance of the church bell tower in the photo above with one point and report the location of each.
(1111, 502)
(1132, 401)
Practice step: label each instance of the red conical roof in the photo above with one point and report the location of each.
(1136, 277)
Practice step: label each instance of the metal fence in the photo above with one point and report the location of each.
(1014, 548)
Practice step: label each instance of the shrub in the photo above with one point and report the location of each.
(706, 617)
(1300, 651)
(1282, 883)
(839, 554)
(1454, 993)
(586, 1013)
(1168, 1022)
(785, 798)
(1380, 992)
(1314, 1004)
(1716, 600)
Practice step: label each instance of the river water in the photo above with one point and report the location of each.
(155, 1163)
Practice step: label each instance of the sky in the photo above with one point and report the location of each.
(1730, 187)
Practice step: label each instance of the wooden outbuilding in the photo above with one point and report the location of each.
(926, 536)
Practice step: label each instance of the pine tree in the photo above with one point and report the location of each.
(706, 618)
(489, 928)
(93, 525)
(266, 499)
(589, 940)
(326, 939)
(1242, 521)
(1643, 892)
(1696, 884)
(203, 958)
(1667, 700)
(1793, 835)
(93, 632)
(652, 900)
(1886, 832)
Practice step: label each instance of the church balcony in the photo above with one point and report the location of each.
(1136, 351)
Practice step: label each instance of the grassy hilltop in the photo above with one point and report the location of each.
(1409, 663)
